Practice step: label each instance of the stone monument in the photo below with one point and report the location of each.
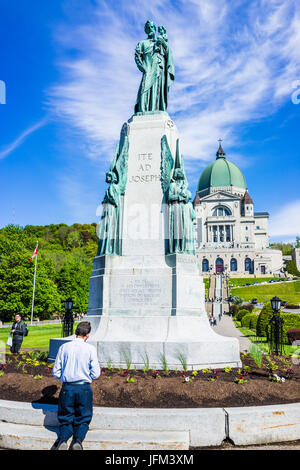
(146, 294)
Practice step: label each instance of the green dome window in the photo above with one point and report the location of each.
(221, 173)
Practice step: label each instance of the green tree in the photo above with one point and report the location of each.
(73, 281)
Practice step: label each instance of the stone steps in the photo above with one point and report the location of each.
(28, 437)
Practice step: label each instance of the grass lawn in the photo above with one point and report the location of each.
(287, 291)
(38, 336)
(239, 281)
(261, 341)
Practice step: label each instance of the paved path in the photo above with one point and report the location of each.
(226, 327)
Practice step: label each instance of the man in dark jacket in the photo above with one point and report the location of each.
(18, 331)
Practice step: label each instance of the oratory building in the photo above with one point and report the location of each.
(230, 237)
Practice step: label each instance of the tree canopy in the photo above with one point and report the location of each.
(64, 265)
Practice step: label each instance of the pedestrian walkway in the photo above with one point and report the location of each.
(226, 327)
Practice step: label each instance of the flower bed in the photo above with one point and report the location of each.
(276, 381)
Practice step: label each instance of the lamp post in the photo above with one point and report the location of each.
(68, 318)
(276, 334)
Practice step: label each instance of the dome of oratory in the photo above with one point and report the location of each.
(221, 173)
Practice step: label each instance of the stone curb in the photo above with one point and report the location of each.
(138, 428)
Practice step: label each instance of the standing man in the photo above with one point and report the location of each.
(76, 365)
(18, 331)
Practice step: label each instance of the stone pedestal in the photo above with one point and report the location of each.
(147, 307)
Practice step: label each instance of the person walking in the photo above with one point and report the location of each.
(76, 365)
(18, 331)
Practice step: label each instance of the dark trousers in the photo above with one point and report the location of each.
(16, 343)
(75, 410)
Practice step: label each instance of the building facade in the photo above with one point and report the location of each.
(296, 257)
(229, 235)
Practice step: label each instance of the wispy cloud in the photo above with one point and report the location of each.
(19, 140)
(235, 63)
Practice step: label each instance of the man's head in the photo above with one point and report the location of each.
(18, 317)
(83, 329)
(150, 29)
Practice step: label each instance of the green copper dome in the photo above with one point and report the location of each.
(221, 172)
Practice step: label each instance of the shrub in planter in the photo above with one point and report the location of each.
(241, 313)
(293, 334)
(292, 307)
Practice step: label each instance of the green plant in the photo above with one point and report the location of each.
(240, 380)
(290, 321)
(263, 320)
(227, 369)
(145, 358)
(183, 361)
(241, 313)
(270, 364)
(206, 371)
(130, 380)
(127, 357)
(37, 377)
(257, 354)
(1, 373)
(109, 363)
(163, 360)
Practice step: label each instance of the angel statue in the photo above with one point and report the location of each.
(176, 220)
(154, 59)
(110, 230)
(188, 215)
(180, 210)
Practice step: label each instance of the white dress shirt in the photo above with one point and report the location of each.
(76, 361)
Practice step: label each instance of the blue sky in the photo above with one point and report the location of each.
(71, 82)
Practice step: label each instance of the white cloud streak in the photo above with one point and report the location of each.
(234, 63)
(19, 140)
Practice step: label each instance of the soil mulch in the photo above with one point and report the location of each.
(23, 378)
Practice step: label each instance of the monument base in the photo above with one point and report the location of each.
(149, 312)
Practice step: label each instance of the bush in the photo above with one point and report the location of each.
(250, 321)
(290, 321)
(241, 313)
(246, 319)
(233, 309)
(263, 320)
(293, 334)
(253, 322)
(291, 268)
(292, 307)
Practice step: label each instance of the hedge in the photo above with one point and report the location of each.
(250, 321)
(263, 320)
(241, 313)
(253, 321)
(290, 321)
